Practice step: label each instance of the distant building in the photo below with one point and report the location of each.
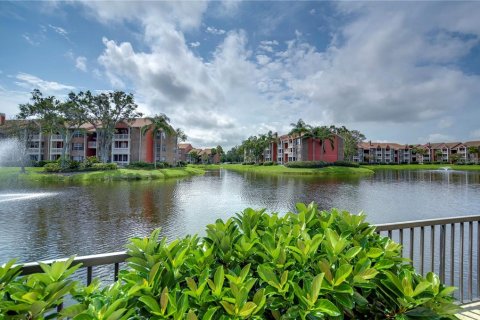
(445, 152)
(184, 149)
(128, 145)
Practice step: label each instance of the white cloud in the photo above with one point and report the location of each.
(215, 31)
(195, 44)
(312, 12)
(387, 65)
(81, 63)
(10, 99)
(31, 82)
(28, 38)
(59, 30)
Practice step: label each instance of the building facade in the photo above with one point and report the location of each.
(130, 143)
(288, 148)
(445, 152)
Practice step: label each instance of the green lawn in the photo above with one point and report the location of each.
(421, 167)
(279, 169)
(37, 174)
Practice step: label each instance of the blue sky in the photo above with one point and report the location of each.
(406, 72)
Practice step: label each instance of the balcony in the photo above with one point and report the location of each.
(56, 150)
(122, 136)
(121, 150)
(92, 144)
(56, 137)
(35, 137)
(33, 150)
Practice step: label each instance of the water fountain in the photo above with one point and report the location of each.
(13, 152)
(445, 168)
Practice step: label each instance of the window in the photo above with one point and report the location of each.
(77, 146)
(77, 134)
(121, 145)
(120, 157)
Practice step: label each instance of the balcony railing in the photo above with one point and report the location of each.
(92, 144)
(56, 150)
(448, 246)
(54, 137)
(121, 136)
(35, 137)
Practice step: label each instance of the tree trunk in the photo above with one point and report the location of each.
(154, 149)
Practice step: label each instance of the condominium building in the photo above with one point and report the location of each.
(129, 143)
(382, 152)
(287, 148)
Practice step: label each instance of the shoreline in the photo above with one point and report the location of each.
(282, 170)
(37, 174)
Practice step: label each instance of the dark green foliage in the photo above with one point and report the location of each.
(181, 164)
(306, 265)
(269, 163)
(140, 165)
(104, 166)
(307, 164)
(346, 164)
(52, 167)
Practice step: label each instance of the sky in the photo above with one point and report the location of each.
(405, 72)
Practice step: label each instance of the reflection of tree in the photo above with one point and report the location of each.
(149, 207)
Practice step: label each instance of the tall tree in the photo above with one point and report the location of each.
(351, 139)
(55, 116)
(473, 153)
(104, 112)
(179, 135)
(158, 127)
(299, 129)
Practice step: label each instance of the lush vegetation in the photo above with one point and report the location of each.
(37, 174)
(422, 166)
(307, 265)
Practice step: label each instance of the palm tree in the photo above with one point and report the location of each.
(179, 135)
(159, 124)
(473, 151)
(299, 129)
(324, 134)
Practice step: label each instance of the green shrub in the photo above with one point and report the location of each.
(307, 265)
(268, 163)
(346, 164)
(52, 167)
(181, 163)
(104, 166)
(140, 165)
(89, 161)
(307, 164)
(74, 165)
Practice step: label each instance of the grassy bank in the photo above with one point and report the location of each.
(421, 167)
(296, 171)
(37, 174)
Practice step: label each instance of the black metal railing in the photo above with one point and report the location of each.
(449, 247)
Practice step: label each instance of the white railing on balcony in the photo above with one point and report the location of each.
(120, 150)
(92, 144)
(33, 150)
(56, 137)
(56, 150)
(35, 137)
(121, 136)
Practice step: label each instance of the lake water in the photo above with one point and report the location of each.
(49, 220)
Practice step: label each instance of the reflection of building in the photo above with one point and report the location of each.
(129, 144)
(376, 152)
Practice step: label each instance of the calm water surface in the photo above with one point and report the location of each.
(43, 221)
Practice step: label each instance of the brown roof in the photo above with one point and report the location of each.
(184, 146)
(382, 145)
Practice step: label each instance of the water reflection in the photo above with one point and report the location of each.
(100, 217)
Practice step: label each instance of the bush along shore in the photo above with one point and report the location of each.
(306, 265)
